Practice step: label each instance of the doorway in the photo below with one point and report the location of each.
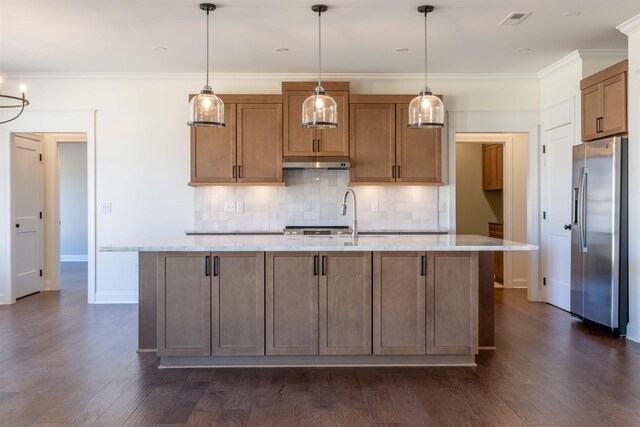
(491, 196)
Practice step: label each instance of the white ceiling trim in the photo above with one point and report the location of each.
(631, 26)
(577, 55)
(353, 77)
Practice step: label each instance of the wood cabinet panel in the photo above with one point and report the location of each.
(492, 167)
(291, 303)
(417, 151)
(237, 304)
(399, 303)
(372, 131)
(184, 304)
(335, 142)
(497, 231)
(259, 142)
(213, 150)
(452, 302)
(297, 141)
(591, 109)
(345, 303)
(614, 102)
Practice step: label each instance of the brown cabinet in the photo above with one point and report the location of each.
(452, 302)
(345, 302)
(184, 304)
(237, 304)
(247, 150)
(384, 150)
(496, 231)
(399, 280)
(492, 167)
(299, 141)
(604, 102)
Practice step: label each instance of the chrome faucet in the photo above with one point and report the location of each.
(343, 212)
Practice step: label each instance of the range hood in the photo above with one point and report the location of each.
(311, 162)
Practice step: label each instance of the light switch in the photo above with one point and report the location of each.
(374, 206)
(229, 206)
(239, 207)
(105, 207)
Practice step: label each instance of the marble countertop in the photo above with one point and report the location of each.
(257, 232)
(277, 243)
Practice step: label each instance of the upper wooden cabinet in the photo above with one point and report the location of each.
(604, 102)
(247, 150)
(492, 167)
(384, 150)
(299, 141)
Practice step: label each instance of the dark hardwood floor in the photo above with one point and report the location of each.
(63, 362)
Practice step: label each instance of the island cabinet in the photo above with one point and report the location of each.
(318, 303)
(384, 150)
(210, 303)
(299, 141)
(248, 150)
(604, 102)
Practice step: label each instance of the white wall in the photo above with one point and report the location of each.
(632, 29)
(142, 146)
(72, 160)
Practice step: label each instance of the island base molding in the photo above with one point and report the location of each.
(324, 361)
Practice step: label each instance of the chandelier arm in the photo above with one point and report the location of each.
(18, 115)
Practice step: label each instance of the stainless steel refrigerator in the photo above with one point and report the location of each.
(599, 236)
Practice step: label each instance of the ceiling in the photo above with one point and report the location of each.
(358, 36)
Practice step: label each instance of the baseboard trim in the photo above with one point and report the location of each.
(116, 298)
(632, 333)
(74, 258)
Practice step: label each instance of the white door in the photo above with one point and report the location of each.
(556, 205)
(27, 223)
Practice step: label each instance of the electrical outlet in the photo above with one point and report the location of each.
(105, 207)
(375, 207)
(239, 207)
(229, 206)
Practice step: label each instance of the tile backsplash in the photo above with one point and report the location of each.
(313, 197)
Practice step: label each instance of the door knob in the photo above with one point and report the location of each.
(567, 227)
(17, 225)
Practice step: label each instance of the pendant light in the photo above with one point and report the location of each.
(13, 102)
(426, 110)
(319, 111)
(206, 109)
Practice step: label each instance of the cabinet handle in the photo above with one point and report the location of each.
(324, 273)
(315, 265)
(313, 145)
(601, 124)
(216, 266)
(207, 260)
(398, 170)
(393, 172)
(233, 171)
(422, 266)
(318, 145)
(239, 171)
(598, 125)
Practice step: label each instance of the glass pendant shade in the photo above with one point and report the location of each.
(426, 111)
(319, 111)
(206, 109)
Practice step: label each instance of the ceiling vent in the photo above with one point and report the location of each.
(515, 18)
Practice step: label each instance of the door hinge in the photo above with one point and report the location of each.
(544, 149)
(544, 281)
(40, 215)
(40, 157)
(40, 273)
(544, 215)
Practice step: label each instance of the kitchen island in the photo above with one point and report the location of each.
(269, 300)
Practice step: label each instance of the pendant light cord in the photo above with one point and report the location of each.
(207, 48)
(319, 47)
(425, 50)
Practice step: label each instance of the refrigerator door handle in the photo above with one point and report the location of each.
(582, 221)
(579, 213)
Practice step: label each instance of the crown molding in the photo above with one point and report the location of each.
(273, 77)
(578, 55)
(631, 26)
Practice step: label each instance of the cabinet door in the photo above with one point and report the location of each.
(398, 303)
(614, 117)
(499, 167)
(452, 302)
(292, 303)
(184, 304)
(297, 141)
(345, 303)
(486, 166)
(335, 142)
(372, 142)
(213, 150)
(417, 151)
(259, 143)
(237, 306)
(591, 112)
